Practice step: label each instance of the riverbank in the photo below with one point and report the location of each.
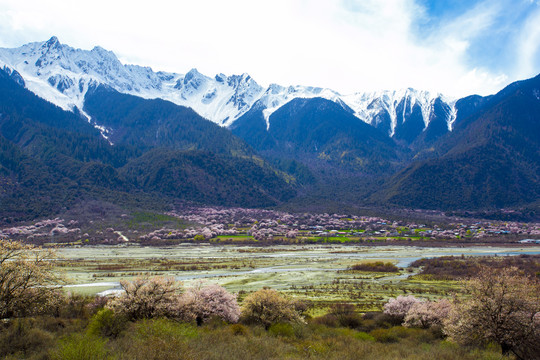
(313, 271)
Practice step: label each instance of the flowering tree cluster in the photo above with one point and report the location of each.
(242, 217)
(268, 225)
(206, 232)
(400, 306)
(503, 307)
(41, 230)
(428, 314)
(147, 298)
(203, 303)
(162, 297)
(414, 312)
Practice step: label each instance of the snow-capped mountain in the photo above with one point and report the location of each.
(276, 96)
(63, 75)
(397, 107)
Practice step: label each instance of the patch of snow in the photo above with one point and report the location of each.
(452, 115)
(367, 106)
(276, 96)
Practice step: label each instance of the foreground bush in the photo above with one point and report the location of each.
(81, 347)
(106, 323)
(503, 308)
(400, 306)
(47, 338)
(340, 315)
(22, 337)
(26, 280)
(345, 315)
(156, 339)
(267, 306)
(212, 301)
(147, 298)
(428, 314)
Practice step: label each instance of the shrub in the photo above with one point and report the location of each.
(395, 333)
(503, 308)
(165, 329)
(238, 329)
(23, 337)
(97, 304)
(81, 347)
(281, 329)
(267, 307)
(400, 306)
(74, 307)
(204, 303)
(147, 298)
(346, 315)
(27, 280)
(376, 320)
(156, 339)
(328, 320)
(364, 336)
(428, 314)
(384, 336)
(377, 266)
(106, 323)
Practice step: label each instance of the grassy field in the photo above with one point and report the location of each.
(43, 338)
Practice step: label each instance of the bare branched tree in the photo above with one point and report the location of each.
(28, 284)
(504, 307)
(147, 298)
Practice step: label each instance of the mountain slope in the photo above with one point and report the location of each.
(51, 159)
(207, 178)
(492, 158)
(63, 75)
(318, 131)
(127, 119)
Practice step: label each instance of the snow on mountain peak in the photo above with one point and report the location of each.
(397, 104)
(63, 75)
(276, 96)
(53, 42)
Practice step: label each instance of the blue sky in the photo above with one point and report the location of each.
(494, 47)
(455, 47)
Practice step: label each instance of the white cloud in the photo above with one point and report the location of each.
(528, 51)
(347, 45)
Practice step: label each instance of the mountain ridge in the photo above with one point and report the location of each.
(52, 159)
(491, 160)
(63, 75)
(416, 150)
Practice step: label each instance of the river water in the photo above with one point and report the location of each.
(291, 258)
